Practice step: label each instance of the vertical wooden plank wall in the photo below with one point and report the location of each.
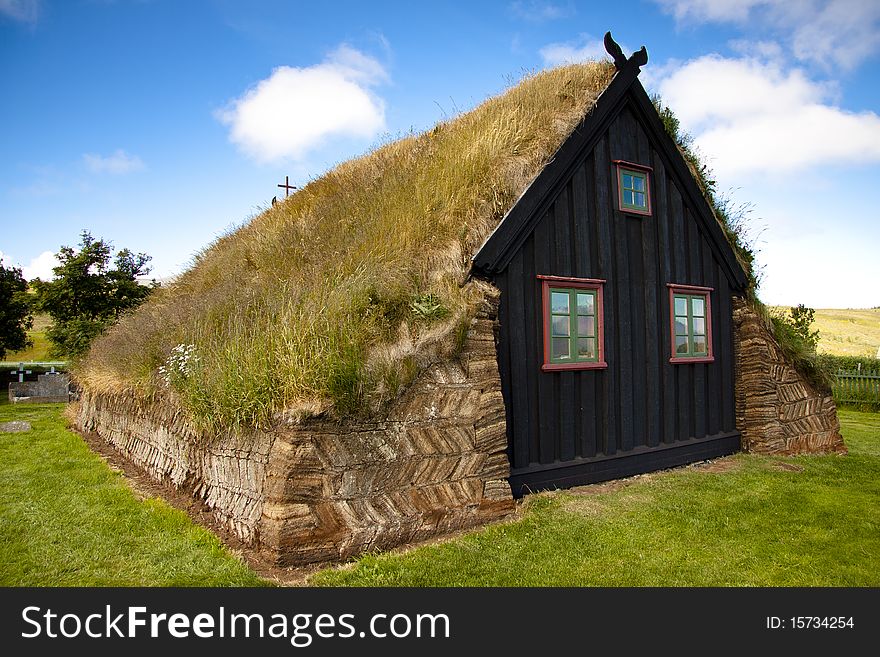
(641, 400)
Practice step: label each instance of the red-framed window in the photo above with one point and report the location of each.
(573, 323)
(690, 324)
(633, 187)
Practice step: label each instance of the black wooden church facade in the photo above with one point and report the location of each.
(615, 347)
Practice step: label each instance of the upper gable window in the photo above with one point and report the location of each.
(633, 187)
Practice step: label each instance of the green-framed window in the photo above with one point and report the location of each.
(634, 187)
(573, 323)
(691, 322)
(574, 335)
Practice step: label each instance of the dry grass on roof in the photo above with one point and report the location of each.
(334, 299)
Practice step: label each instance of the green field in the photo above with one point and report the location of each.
(849, 332)
(67, 519)
(39, 351)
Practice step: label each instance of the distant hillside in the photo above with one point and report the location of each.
(848, 332)
(39, 352)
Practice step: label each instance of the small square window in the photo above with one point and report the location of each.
(690, 324)
(572, 323)
(634, 187)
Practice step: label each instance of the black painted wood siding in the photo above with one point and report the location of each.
(640, 400)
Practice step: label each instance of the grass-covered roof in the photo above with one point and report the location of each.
(335, 298)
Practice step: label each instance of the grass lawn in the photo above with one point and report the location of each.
(67, 520)
(799, 521)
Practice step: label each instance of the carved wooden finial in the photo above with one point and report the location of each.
(637, 59)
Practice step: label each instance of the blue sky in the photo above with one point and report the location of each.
(158, 125)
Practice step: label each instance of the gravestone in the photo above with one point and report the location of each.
(48, 388)
(16, 426)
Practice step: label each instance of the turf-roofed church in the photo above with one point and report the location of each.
(535, 294)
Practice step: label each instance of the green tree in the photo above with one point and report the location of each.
(793, 332)
(16, 315)
(801, 322)
(87, 295)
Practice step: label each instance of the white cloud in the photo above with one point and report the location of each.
(791, 272)
(540, 12)
(116, 163)
(747, 116)
(766, 50)
(585, 49)
(702, 11)
(294, 109)
(824, 32)
(845, 31)
(26, 11)
(39, 267)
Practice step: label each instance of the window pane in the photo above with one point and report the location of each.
(681, 325)
(628, 197)
(681, 306)
(697, 306)
(699, 326)
(586, 326)
(640, 200)
(586, 347)
(681, 344)
(627, 181)
(585, 304)
(561, 325)
(559, 348)
(559, 303)
(639, 184)
(700, 344)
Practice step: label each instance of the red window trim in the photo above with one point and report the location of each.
(579, 283)
(618, 164)
(690, 289)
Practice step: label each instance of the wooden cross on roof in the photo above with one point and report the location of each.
(287, 186)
